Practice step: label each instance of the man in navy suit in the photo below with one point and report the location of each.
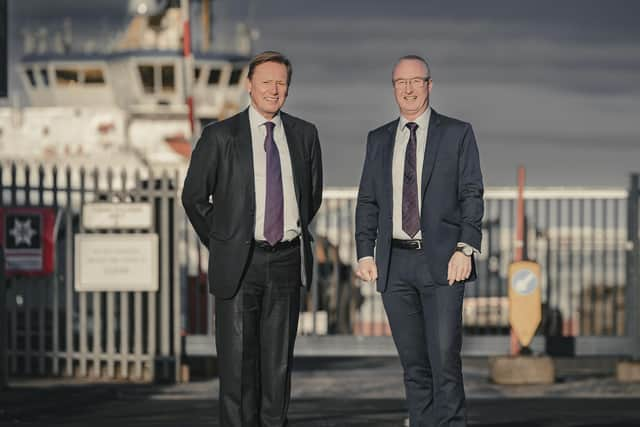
(418, 224)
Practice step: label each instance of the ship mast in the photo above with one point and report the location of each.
(187, 63)
(206, 24)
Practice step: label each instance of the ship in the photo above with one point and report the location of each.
(137, 103)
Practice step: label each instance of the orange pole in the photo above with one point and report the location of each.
(519, 242)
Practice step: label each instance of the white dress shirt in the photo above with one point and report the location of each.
(399, 154)
(258, 134)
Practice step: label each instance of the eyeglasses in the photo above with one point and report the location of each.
(416, 82)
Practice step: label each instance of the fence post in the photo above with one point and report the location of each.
(4, 367)
(633, 268)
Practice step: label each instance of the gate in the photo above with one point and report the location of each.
(586, 240)
(53, 330)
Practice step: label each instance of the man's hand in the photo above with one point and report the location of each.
(367, 270)
(459, 268)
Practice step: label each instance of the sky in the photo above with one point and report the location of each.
(552, 85)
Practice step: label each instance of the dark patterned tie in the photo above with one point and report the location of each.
(274, 202)
(410, 213)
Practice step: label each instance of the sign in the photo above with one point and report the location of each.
(116, 262)
(102, 216)
(525, 300)
(27, 236)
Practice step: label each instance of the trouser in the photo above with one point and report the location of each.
(426, 324)
(255, 335)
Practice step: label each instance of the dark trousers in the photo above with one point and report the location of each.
(426, 324)
(255, 334)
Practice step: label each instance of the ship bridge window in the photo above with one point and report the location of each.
(168, 78)
(31, 77)
(93, 76)
(45, 76)
(66, 76)
(234, 79)
(146, 75)
(214, 77)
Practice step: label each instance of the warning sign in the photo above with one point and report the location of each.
(525, 299)
(27, 236)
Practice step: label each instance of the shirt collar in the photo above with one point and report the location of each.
(256, 119)
(422, 120)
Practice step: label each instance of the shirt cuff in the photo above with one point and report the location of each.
(365, 257)
(462, 245)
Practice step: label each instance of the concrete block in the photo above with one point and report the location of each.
(628, 371)
(519, 370)
(185, 375)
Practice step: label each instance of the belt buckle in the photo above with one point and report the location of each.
(419, 243)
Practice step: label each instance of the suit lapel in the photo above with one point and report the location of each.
(245, 152)
(430, 154)
(387, 158)
(295, 151)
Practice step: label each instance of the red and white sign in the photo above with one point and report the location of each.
(27, 237)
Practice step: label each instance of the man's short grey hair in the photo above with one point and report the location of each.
(413, 58)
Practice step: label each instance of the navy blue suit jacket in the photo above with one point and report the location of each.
(452, 190)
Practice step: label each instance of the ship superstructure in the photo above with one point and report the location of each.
(125, 105)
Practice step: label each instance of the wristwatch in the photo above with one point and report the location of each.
(465, 249)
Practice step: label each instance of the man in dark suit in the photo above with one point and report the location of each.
(253, 186)
(420, 207)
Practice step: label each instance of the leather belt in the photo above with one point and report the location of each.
(263, 244)
(407, 244)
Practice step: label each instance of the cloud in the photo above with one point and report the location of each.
(533, 96)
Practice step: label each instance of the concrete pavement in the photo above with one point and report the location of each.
(333, 392)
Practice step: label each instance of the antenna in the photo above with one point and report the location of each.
(206, 24)
(67, 35)
(28, 41)
(41, 43)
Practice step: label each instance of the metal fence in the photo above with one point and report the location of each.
(582, 238)
(586, 241)
(54, 330)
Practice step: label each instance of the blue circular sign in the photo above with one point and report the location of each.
(524, 282)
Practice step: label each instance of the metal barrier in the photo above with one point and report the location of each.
(54, 330)
(578, 235)
(585, 239)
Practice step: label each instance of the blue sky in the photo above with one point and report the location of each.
(552, 85)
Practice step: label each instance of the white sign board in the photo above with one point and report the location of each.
(116, 262)
(97, 216)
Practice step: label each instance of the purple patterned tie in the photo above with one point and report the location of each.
(274, 203)
(410, 214)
